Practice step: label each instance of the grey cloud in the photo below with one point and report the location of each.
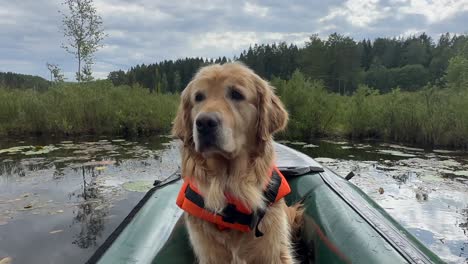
(147, 31)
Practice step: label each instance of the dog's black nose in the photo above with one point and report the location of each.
(207, 122)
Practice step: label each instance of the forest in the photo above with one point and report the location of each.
(341, 62)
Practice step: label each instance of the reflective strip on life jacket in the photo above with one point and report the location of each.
(235, 215)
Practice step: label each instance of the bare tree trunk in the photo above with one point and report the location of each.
(79, 64)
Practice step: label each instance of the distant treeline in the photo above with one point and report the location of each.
(340, 62)
(23, 81)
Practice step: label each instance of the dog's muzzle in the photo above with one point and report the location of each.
(208, 125)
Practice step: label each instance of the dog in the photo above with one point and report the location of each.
(226, 119)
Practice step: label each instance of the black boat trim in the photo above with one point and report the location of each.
(298, 171)
(115, 234)
(380, 224)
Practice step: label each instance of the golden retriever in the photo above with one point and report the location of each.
(226, 120)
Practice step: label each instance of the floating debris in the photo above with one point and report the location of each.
(346, 147)
(310, 146)
(56, 231)
(385, 168)
(118, 140)
(381, 190)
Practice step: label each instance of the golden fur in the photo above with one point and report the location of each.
(239, 165)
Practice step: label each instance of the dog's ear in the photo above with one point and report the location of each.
(182, 127)
(272, 116)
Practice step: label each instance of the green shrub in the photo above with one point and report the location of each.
(433, 116)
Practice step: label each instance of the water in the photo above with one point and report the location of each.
(426, 191)
(59, 200)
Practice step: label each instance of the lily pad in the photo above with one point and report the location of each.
(38, 150)
(396, 153)
(298, 143)
(325, 160)
(99, 163)
(461, 173)
(14, 149)
(310, 146)
(443, 151)
(138, 186)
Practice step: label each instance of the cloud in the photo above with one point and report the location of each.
(254, 9)
(147, 31)
(241, 40)
(360, 13)
(434, 11)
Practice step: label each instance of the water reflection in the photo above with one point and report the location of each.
(412, 185)
(91, 212)
(74, 190)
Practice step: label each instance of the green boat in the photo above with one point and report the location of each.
(341, 223)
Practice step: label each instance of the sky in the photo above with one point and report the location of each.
(148, 31)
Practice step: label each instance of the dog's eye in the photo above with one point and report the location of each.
(236, 95)
(199, 97)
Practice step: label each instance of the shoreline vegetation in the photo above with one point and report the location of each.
(95, 108)
(403, 90)
(430, 117)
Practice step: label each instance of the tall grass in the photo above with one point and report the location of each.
(433, 116)
(92, 108)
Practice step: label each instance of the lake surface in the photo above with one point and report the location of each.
(59, 200)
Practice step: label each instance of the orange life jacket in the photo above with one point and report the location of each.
(235, 215)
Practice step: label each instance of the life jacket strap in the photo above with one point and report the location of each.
(236, 216)
(229, 214)
(270, 193)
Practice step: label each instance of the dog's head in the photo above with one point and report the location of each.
(228, 108)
